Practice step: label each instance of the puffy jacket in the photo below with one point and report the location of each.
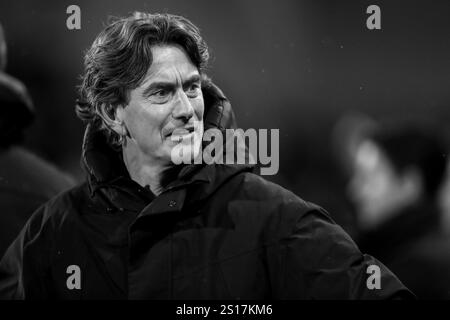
(216, 232)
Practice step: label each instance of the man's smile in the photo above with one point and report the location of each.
(181, 134)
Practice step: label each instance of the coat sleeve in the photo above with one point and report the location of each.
(22, 274)
(319, 260)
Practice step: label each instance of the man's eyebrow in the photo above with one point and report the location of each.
(193, 79)
(170, 85)
(158, 85)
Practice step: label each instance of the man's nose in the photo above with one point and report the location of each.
(183, 108)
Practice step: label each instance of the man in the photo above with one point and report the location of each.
(26, 181)
(142, 228)
(398, 172)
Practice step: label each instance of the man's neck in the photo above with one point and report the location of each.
(142, 169)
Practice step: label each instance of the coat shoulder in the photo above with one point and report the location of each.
(257, 189)
(261, 189)
(269, 205)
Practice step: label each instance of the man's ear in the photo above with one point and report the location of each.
(114, 118)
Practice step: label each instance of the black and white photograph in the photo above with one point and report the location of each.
(224, 155)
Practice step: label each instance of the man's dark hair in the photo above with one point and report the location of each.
(414, 146)
(120, 57)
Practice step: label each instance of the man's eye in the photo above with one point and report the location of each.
(193, 90)
(160, 93)
(160, 96)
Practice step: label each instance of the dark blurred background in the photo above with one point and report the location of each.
(293, 65)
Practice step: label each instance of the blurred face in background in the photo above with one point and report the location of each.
(377, 189)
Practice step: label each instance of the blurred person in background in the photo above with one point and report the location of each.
(397, 172)
(26, 181)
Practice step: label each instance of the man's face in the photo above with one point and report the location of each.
(166, 107)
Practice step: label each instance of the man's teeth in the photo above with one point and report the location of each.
(181, 131)
(179, 136)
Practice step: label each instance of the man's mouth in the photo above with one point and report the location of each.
(179, 134)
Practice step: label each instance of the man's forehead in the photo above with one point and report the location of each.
(170, 63)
